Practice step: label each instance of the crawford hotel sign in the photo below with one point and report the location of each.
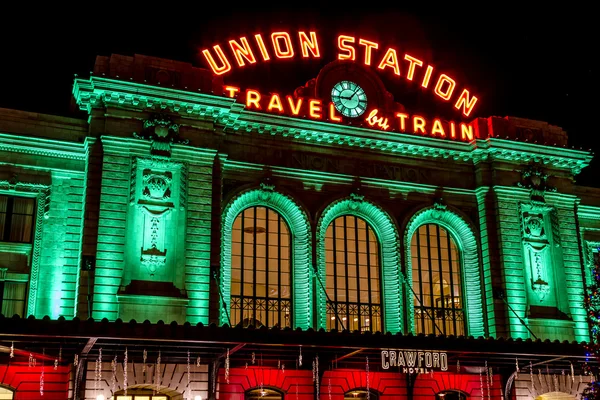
(346, 100)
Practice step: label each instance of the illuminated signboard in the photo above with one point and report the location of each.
(348, 100)
(414, 361)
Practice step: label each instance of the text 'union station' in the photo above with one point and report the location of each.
(185, 237)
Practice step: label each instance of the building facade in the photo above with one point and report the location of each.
(261, 253)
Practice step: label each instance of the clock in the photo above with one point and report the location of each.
(349, 99)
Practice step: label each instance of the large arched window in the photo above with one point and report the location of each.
(360, 394)
(6, 394)
(437, 282)
(450, 395)
(260, 269)
(263, 394)
(352, 275)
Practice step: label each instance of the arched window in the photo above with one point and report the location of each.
(6, 394)
(260, 269)
(263, 394)
(360, 394)
(450, 395)
(352, 271)
(436, 278)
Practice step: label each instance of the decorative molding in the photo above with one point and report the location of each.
(466, 241)
(535, 179)
(387, 236)
(43, 194)
(101, 92)
(43, 147)
(161, 132)
(300, 231)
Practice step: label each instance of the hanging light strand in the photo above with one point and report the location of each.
(368, 385)
(125, 362)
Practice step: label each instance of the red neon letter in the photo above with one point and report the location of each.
(419, 124)
(402, 118)
(342, 39)
(449, 88)
(390, 60)
(242, 50)
(232, 91)
(427, 76)
(411, 67)
(289, 50)
(275, 103)
(332, 116)
(438, 128)
(307, 44)
(314, 109)
(466, 131)
(295, 108)
(368, 47)
(373, 120)
(262, 47)
(225, 66)
(452, 130)
(466, 102)
(252, 98)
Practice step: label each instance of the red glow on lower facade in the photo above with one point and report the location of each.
(25, 381)
(335, 384)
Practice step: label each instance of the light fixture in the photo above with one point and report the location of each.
(198, 397)
(355, 319)
(333, 318)
(100, 397)
(343, 319)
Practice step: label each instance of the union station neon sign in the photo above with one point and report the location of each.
(241, 52)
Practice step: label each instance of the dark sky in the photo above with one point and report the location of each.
(537, 64)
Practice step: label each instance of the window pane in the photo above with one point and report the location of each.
(436, 282)
(264, 269)
(352, 269)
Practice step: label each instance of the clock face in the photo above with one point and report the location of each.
(349, 99)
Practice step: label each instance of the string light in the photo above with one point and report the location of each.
(12, 349)
(144, 358)
(368, 388)
(113, 382)
(42, 374)
(227, 367)
(125, 361)
(300, 357)
(188, 375)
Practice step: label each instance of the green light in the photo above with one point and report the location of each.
(467, 244)
(299, 226)
(388, 237)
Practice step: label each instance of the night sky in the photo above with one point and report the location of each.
(537, 65)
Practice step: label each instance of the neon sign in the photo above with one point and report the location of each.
(284, 45)
(316, 109)
(414, 361)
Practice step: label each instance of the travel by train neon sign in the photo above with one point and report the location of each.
(244, 51)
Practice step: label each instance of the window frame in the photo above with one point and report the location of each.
(241, 300)
(9, 214)
(463, 309)
(333, 303)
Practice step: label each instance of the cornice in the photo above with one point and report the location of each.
(43, 147)
(234, 119)
(588, 212)
(558, 157)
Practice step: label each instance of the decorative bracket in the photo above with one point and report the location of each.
(162, 132)
(535, 179)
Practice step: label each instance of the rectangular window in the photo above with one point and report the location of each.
(12, 298)
(16, 219)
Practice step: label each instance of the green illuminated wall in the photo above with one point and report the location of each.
(541, 263)
(58, 184)
(299, 226)
(389, 241)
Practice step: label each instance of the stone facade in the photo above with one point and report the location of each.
(132, 207)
